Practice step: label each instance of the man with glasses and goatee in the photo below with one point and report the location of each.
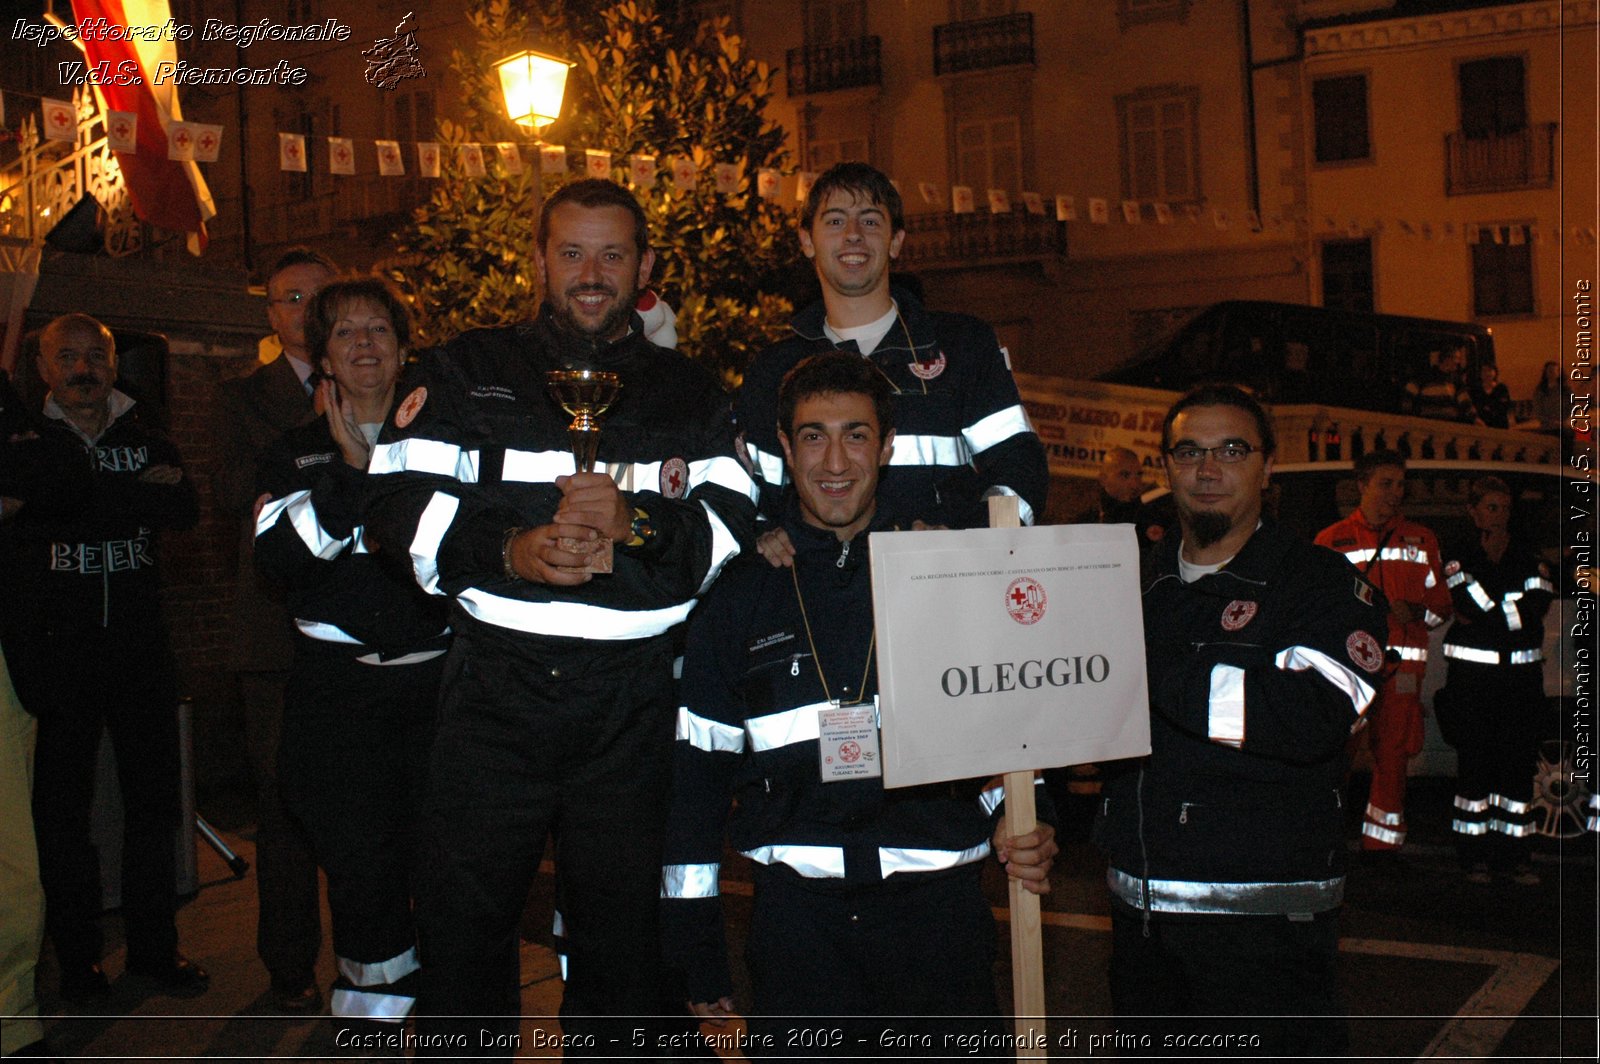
(1225, 845)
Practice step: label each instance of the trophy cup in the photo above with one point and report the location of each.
(585, 394)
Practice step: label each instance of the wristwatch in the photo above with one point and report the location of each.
(642, 531)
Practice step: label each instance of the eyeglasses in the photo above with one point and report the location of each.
(294, 299)
(1226, 453)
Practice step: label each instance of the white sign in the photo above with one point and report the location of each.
(1008, 649)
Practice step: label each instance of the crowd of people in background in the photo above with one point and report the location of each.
(455, 651)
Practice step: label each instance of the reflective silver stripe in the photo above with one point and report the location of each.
(893, 859)
(1384, 835)
(1526, 657)
(690, 881)
(996, 428)
(1594, 823)
(724, 546)
(1383, 816)
(436, 519)
(769, 465)
(303, 518)
(1431, 619)
(378, 973)
(558, 925)
(1225, 715)
(1510, 805)
(1505, 827)
(1456, 580)
(536, 467)
(1508, 606)
(991, 798)
(1538, 583)
(364, 1004)
(1482, 657)
(1355, 688)
(1024, 511)
(570, 618)
(703, 733)
(1390, 554)
(420, 455)
(327, 633)
(775, 730)
(817, 862)
(1479, 595)
(1264, 899)
(1472, 805)
(1469, 827)
(1430, 581)
(1411, 653)
(413, 658)
(725, 472)
(930, 451)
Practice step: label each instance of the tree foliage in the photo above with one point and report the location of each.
(648, 80)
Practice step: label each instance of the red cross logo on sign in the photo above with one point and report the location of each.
(207, 141)
(59, 117)
(1025, 600)
(120, 129)
(182, 138)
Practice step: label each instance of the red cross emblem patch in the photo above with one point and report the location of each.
(1364, 650)
(409, 409)
(674, 478)
(1025, 600)
(929, 369)
(1237, 614)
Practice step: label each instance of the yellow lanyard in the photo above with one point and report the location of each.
(816, 659)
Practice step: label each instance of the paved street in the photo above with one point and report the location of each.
(1431, 965)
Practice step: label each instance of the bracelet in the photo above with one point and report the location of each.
(505, 552)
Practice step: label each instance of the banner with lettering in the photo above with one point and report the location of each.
(1008, 649)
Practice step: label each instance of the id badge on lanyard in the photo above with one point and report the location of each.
(848, 742)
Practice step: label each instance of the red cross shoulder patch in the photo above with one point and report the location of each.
(674, 478)
(410, 408)
(1364, 650)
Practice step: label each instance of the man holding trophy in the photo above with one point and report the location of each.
(567, 572)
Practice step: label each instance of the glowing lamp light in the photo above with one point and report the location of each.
(533, 84)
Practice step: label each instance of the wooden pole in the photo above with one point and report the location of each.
(1027, 944)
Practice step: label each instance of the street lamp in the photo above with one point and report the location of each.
(533, 84)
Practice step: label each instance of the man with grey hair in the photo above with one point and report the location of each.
(88, 650)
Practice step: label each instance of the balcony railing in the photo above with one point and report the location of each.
(983, 44)
(947, 239)
(1502, 162)
(828, 67)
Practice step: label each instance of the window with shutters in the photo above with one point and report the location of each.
(1339, 117)
(1502, 271)
(1160, 144)
(1494, 102)
(1347, 275)
(821, 154)
(410, 116)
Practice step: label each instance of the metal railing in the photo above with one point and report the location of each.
(1502, 162)
(828, 67)
(983, 44)
(947, 239)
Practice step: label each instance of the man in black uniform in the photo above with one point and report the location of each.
(1225, 845)
(89, 651)
(868, 907)
(558, 699)
(963, 434)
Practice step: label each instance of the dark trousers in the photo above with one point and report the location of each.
(1268, 980)
(578, 744)
(288, 913)
(352, 770)
(77, 684)
(1495, 711)
(913, 955)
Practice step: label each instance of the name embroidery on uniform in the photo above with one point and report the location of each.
(312, 459)
(493, 391)
(771, 640)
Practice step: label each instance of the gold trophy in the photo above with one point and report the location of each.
(585, 394)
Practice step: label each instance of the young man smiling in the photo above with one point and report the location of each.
(963, 432)
(868, 902)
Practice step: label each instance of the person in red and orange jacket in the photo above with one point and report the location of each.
(1401, 558)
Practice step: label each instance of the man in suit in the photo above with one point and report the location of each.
(253, 412)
